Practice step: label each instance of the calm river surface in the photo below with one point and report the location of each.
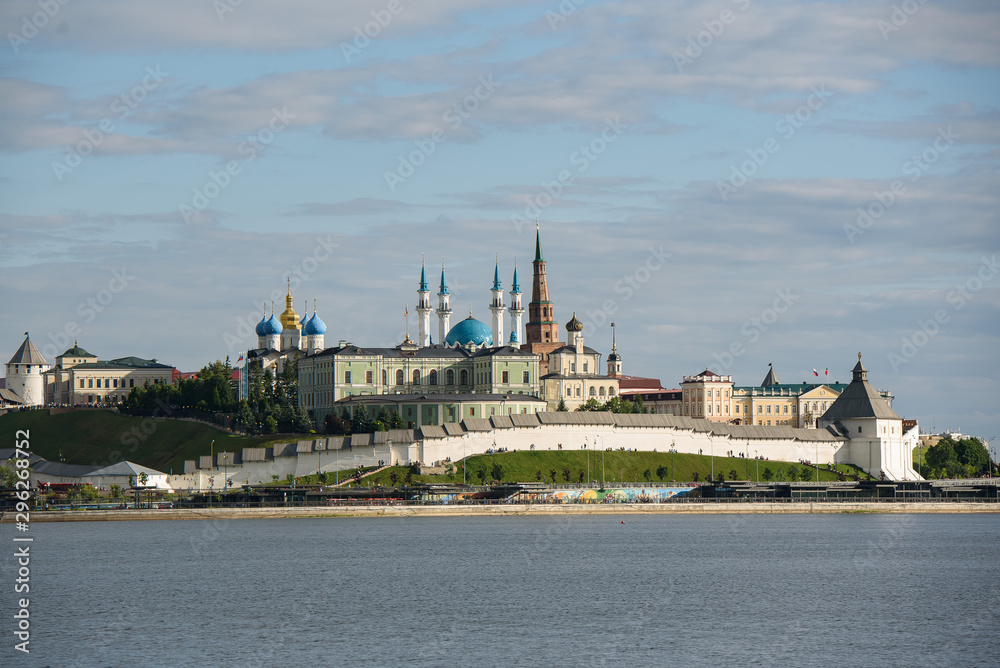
(796, 590)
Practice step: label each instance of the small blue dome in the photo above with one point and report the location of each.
(260, 325)
(314, 326)
(470, 331)
(272, 326)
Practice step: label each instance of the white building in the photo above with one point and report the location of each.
(25, 374)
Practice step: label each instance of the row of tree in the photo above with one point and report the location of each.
(949, 458)
(361, 421)
(613, 405)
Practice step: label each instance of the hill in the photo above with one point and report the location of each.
(100, 437)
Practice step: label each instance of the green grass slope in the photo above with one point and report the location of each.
(99, 437)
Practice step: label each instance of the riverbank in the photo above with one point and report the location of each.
(694, 508)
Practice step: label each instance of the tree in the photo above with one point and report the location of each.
(498, 472)
(566, 474)
(538, 474)
(361, 422)
(662, 472)
(647, 475)
(806, 475)
(301, 422)
(767, 474)
(590, 405)
(583, 475)
(246, 420)
(8, 476)
(552, 474)
(695, 476)
(396, 420)
(640, 405)
(336, 425)
(732, 474)
(561, 407)
(793, 472)
(270, 425)
(393, 478)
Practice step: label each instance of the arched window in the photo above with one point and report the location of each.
(611, 391)
(399, 376)
(593, 391)
(600, 392)
(416, 376)
(463, 377)
(449, 377)
(385, 377)
(433, 380)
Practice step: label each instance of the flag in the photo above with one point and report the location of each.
(240, 359)
(406, 311)
(815, 372)
(827, 372)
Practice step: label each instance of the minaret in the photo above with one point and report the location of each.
(443, 310)
(614, 361)
(515, 309)
(541, 327)
(496, 306)
(423, 310)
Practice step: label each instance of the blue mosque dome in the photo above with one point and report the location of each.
(470, 331)
(314, 326)
(272, 326)
(260, 325)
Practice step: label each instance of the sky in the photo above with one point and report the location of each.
(734, 183)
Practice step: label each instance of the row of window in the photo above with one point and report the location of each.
(432, 377)
(594, 391)
(108, 382)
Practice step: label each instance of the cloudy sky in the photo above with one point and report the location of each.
(734, 183)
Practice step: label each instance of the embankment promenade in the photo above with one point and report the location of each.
(496, 510)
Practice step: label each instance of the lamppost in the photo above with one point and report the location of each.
(758, 465)
(211, 480)
(588, 459)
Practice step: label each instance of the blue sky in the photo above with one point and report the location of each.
(690, 163)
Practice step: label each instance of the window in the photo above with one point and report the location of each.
(600, 392)
(572, 367)
(569, 392)
(611, 391)
(81, 383)
(710, 409)
(368, 377)
(593, 391)
(416, 376)
(859, 430)
(433, 378)
(464, 377)
(472, 411)
(546, 336)
(737, 409)
(785, 411)
(760, 409)
(399, 376)
(525, 377)
(385, 377)
(347, 377)
(449, 377)
(577, 390)
(131, 382)
(794, 409)
(585, 367)
(116, 382)
(505, 377)
(727, 409)
(90, 382)
(768, 409)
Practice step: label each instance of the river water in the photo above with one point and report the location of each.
(786, 590)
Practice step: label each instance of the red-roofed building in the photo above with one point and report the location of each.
(655, 397)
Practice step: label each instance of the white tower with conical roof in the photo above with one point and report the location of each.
(443, 310)
(423, 310)
(515, 311)
(24, 373)
(497, 307)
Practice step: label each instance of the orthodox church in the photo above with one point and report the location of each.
(278, 339)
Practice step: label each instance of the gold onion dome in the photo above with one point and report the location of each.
(574, 325)
(289, 318)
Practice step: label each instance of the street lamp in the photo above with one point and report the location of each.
(211, 465)
(588, 459)
(758, 465)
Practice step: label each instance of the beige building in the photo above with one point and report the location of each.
(574, 373)
(79, 378)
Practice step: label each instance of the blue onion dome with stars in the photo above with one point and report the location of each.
(470, 332)
(260, 325)
(272, 326)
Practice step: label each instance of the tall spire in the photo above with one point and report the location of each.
(516, 288)
(423, 309)
(443, 309)
(444, 283)
(423, 276)
(496, 276)
(538, 244)
(542, 326)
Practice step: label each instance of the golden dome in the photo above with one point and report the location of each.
(289, 318)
